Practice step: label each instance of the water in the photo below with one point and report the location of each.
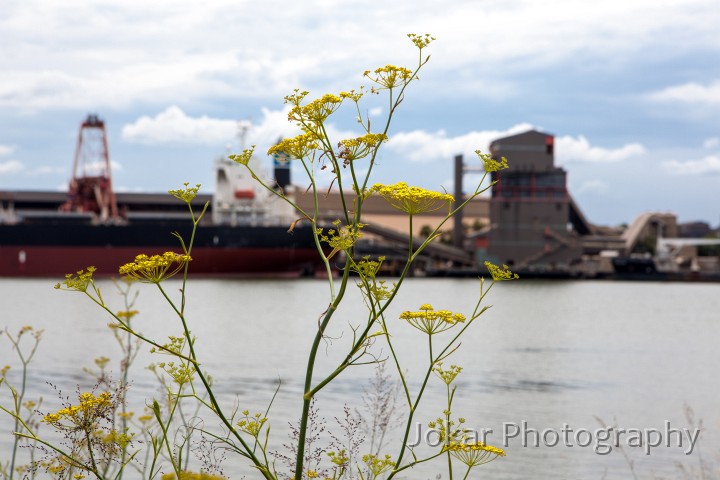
(547, 353)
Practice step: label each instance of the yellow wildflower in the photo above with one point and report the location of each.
(473, 454)
(448, 375)
(368, 268)
(244, 157)
(79, 281)
(251, 425)
(378, 466)
(412, 200)
(353, 95)
(499, 274)
(421, 41)
(355, 148)
(296, 147)
(390, 76)
(90, 409)
(315, 112)
(432, 321)
(490, 164)
(186, 194)
(127, 314)
(342, 237)
(156, 268)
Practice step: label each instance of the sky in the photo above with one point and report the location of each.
(629, 88)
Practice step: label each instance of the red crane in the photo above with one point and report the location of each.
(90, 188)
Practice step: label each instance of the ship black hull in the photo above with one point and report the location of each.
(57, 248)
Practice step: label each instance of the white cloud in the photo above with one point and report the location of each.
(593, 186)
(711, 142)
(11, 166)
(422, 147)
(569, 149)
(689, 93)
(170, 51)
(706, 165)
(6, 150)
(375, 111)
(174, 126)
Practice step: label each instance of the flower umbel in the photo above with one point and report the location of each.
(186, 194)
(499, 274)
(412, 200)
(474, 454)
(78, 282)
(421, 41)
(156, 268)
(296, 147)
(390, 76)
(490, 164)
(244, 157)
(432, 321)
(448, 375)
(356, 148)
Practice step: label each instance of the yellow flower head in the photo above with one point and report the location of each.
(355, 148)
(244, 157)
(186, 194)
(78, 282)
(474, 454)
(378, 466)
(490, 164)
(412, 200)
(296, 147)
(390, 76)
(447, 376)
(499, 274)
(432, 321)
(315, 112)
(421, 41)
(90, 409)
(156, 268)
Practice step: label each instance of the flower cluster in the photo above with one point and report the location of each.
(296, 147)
(490, 164)
(421, 41)
(499, 274)
(355, 148)
(317, 111)
(341, 238)
(251, 424)
(474, 454)
(448, 375)
(390, 76)
(155, 269)
(368, 268)
(411, 200)
(432, 321)
(186, 194)
(79, 281)
(378, 466)
(244, 157)
(84, 415)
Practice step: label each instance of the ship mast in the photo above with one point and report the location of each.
(90, 188)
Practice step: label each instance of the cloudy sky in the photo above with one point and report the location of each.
(630, 88)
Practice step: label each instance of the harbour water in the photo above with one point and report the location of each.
(555, 355)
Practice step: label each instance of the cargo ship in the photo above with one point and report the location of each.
(245, 230)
